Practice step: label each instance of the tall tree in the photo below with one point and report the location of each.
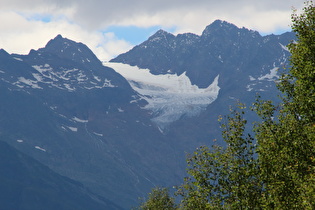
(224, 177)
(286, 146)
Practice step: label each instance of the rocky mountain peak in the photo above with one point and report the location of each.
(161, 35)
(4, 53)
(223, 28)
(222, 48)
(68, 49)
(62, 65)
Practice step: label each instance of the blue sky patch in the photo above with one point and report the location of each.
(133, 34)
(46, 18)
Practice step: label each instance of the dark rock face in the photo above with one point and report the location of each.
(222, 49)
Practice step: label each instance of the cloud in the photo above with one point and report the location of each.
(20, 34)
(26, 24)
(97, 14)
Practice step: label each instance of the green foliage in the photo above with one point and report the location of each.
(224, 177)
(299, 84)
(286, 146)
(285, 154)
(158, 199)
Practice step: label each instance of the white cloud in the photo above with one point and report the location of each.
(19, 35)
(109, 46)
(22, 29)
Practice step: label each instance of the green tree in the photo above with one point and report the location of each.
(158, 199)
(286, 146)
(224, 177)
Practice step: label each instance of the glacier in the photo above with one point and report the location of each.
(169, 97)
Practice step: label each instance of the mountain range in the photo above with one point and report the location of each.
(119, 128)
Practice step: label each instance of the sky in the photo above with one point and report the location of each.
(111, 27)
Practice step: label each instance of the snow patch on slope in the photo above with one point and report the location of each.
(31, 83)
(271, 76)
(74, 129)
(169, 96)
(256, 83)
(80, 120)
(66, 79)
(284, 47)
(39, 148)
